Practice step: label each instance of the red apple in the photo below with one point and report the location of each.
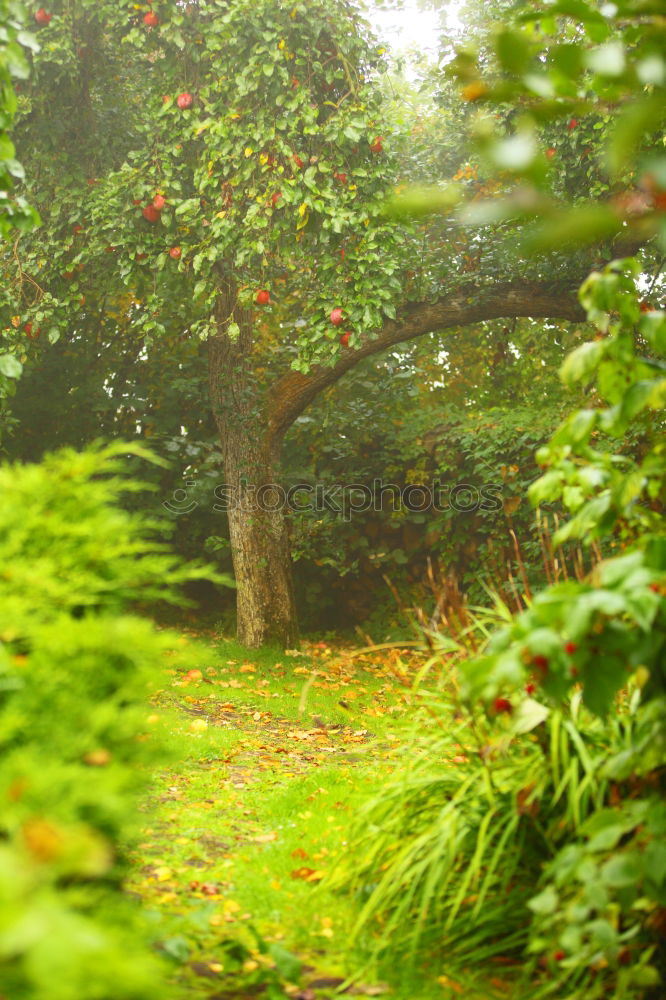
(42, 17)
(297, 160)
(341, 177)
(184, 101)
(175, 253)
(572, 124)
(376, 146)
(541, 663)
(550, 153)
(151, 214)
(344, 339)
(336, 316)
(136, 201)
(28, 328)
(502, 705)
(151, 20)
(263, 297)
(159, 201)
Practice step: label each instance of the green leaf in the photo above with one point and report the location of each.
(545, 903)
(581, 363)
(623, 870)
(632, 123)
(608, 59)
(10, 366)
(587, 223)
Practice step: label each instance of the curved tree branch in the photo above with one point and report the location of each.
(539, 300)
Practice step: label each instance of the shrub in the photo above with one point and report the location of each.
(565, 790)
(75, 741)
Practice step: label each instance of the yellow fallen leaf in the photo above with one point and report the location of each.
(264, 838)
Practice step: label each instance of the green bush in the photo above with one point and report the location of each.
(76, 745)
(554, 773)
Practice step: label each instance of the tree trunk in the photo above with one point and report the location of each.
(252, 499)
(259, 544)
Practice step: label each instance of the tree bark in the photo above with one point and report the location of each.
(266, 608)
(252, 427)
(258, 533)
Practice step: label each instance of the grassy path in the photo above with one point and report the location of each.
(274, 754)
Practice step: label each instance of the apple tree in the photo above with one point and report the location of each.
(218, 170)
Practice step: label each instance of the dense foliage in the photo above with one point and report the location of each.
(554, 773)
(76, 670)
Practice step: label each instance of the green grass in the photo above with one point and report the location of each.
(271, 757)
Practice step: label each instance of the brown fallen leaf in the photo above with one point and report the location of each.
(307, 874)
(300, 853)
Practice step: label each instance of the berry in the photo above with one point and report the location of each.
(42, 17)
(151, 20)
(184, 101)
(175, 253)
(376, 146)
(541, 663)
(341, 177)
(263, 297)
(151, 214)
(336, 316)
(344, 339)
(530, 688)
(550, 153)
(572, 124)
(570, 647)
(502, 705)
(342, 253)
(159, 201)
(559, 955)
(298, 161)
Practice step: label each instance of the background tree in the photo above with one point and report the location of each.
(219, 151)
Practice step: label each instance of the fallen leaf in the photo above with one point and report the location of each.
(307, 874)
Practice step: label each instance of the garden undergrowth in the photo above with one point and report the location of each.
(276, 753)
